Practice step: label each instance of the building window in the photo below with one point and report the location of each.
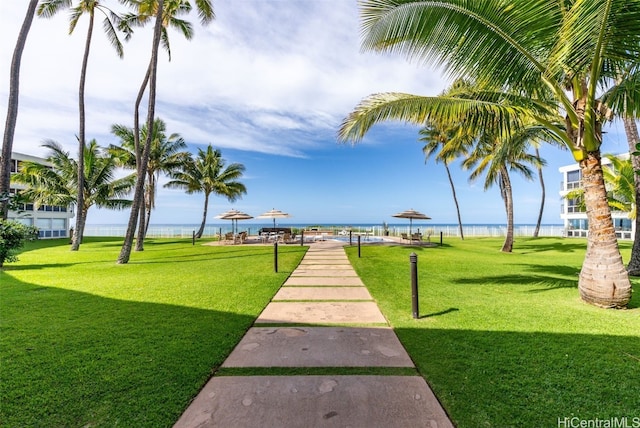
(575, 206)
(573, 179)
(622, 224)
(578, 224)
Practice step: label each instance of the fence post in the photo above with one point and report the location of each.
(413, 259)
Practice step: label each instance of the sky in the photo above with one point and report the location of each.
(268, 82)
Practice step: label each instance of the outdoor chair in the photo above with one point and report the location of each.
(228, 237)
(404, 237)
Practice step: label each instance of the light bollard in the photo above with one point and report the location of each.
(302, 238)
(193, 238)
(350, 237)
(413, 259)
(358, 246)
(275, 256)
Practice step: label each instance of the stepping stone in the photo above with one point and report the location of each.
(336, 266)
(319, 347)
(322, 293)
(326, 272)
(315, 401)
(321, 313)
(336, 261)
(324, 281)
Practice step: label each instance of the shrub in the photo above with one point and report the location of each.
(12, 237)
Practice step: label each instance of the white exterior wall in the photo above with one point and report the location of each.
(575, 222)
(51, 221)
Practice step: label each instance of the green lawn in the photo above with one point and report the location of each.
(85, 342)
(504, 339)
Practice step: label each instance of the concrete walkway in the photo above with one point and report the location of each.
(325, 291)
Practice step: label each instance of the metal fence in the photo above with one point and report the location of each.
(185, 231)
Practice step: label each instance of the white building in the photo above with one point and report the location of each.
(575, 219)
(51, 221)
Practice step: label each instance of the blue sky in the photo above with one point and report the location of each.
(268, 83)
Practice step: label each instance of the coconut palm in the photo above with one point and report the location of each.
(12, 109)
(167, 155)
(153, 8)
(436, 139)
(56, 183)
(497, 156)
(631, 129)
(555, 59)
(208, 174)
(49, 8)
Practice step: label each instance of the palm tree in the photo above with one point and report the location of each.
(151, 7)
(167, 155)
(496, 156)
(207, 174)
(436, 138)
(554, 59)
(49, 8)
(56, 183)
(631, 129)
(12, 109)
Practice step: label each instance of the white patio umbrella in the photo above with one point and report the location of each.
(274, 214)
(411, 214)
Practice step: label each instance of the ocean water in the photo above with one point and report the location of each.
(394, 229)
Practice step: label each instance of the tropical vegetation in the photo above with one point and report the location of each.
(55, 183)
(13, 236)
(168, 154)
(569, 66)
(49, 8)
(208, 173)
(12, 108)
(145, 9)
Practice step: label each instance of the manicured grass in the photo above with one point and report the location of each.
(86, 342)
(504, 339)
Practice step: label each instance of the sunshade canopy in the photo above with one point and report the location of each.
(411, 214)
(274, 214)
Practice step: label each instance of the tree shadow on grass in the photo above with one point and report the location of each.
(539, 245)
(549, 277)
(500, 379)
(77, 359)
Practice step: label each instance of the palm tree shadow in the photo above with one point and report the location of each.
(435, 314)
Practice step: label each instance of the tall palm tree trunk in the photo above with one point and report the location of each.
(80, 221)
(631, 129)
(138, 198)
(507, 196)
(204, 216)
(12, 108)
(455, 200)
(142, 228)
(603, 279)
(138, 151)
(542, 198)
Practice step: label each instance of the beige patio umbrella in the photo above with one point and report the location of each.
(234, 215)
(274, 214)
(411, 214)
